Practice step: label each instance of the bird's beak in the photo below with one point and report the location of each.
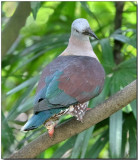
(89, 32)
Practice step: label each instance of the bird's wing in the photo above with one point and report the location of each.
(70, 79)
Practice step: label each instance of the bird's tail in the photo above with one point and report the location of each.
(36, 120)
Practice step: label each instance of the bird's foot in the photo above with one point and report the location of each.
(50, 125)
(51, 133)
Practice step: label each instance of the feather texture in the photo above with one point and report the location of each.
(71, 79)
(66, 81)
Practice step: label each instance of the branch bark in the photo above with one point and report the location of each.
(72, 127)
(12, 28)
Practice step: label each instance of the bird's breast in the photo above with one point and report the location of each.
(83, 79)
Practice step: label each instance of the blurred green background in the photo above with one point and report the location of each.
(43, 37)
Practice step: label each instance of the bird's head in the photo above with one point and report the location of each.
(80, 28)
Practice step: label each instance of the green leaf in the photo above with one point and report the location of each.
(46, 41)
(98, 145)
(26, 105)
(38, 54)
(64, 148)
(108, 60)
(90, 13)
(130, 147)
(127, 109)
(20, 102)
(131, 122)
(124, 73)
(115, 129)
(124, 140)
(35, 7)
(134, 108)
(7, 136)
(115, 134)
(87, 136)
(124, 39)
(30, 136)
(77, 146)
(23, 85)
(128, 64)
(69, 9)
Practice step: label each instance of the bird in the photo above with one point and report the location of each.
(68, 83)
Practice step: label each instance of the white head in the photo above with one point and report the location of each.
(80, 28)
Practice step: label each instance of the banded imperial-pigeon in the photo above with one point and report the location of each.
(69, 82)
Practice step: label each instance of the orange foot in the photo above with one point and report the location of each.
(51, 132)
(50, 125)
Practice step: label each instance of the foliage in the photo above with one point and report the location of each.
(42, 39)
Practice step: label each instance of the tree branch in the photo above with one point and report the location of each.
(12, 28)
(72, 127)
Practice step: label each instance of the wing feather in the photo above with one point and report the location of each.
(71, 79)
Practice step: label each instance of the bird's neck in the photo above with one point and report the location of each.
(79, 47)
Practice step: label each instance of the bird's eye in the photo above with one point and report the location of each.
(76, 30)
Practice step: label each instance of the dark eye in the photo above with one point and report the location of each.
(40, 99)
(76, 30)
